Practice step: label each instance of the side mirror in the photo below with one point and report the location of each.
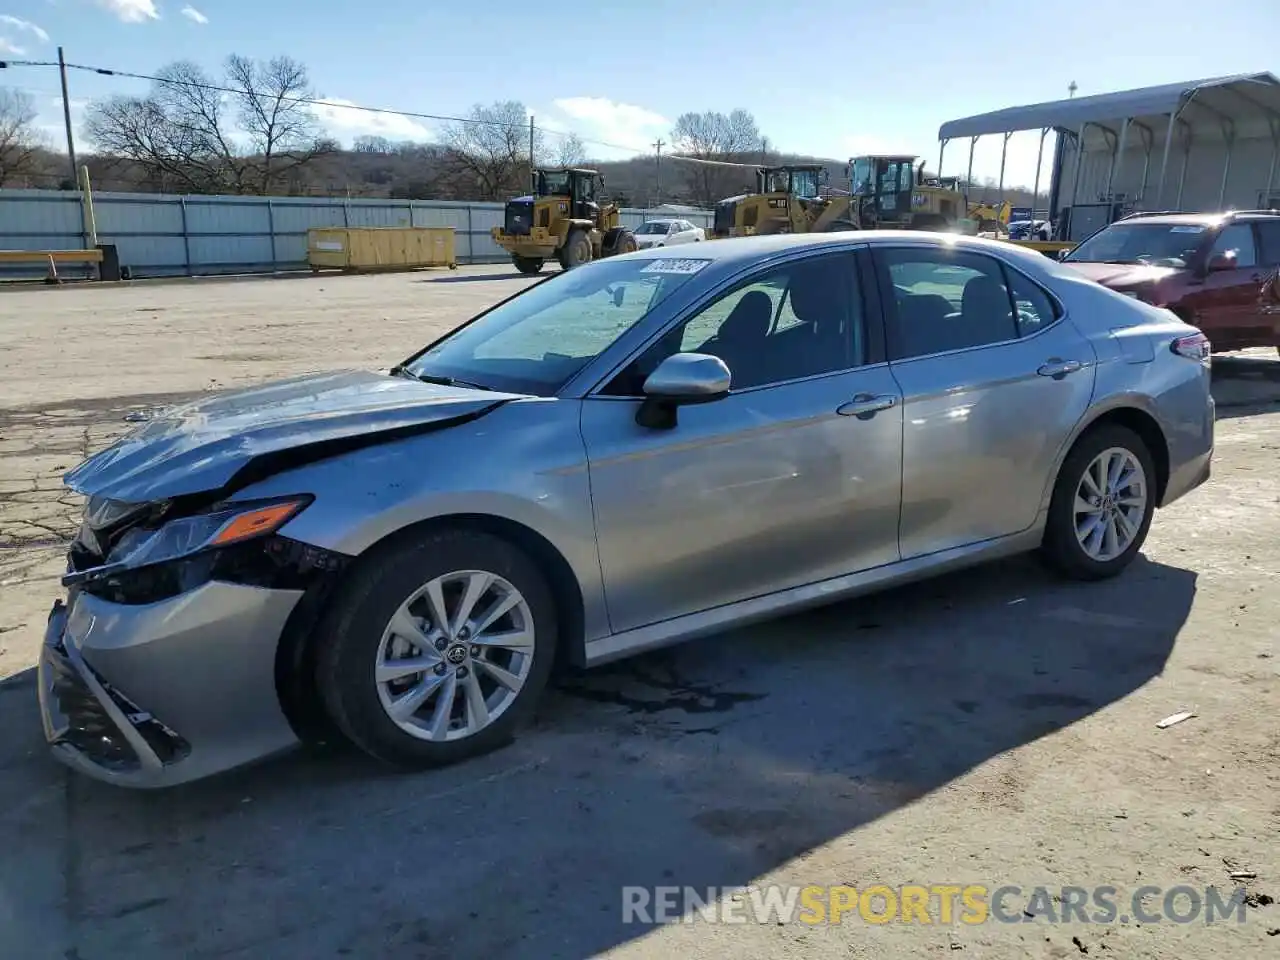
(1223, 261)
(1062, 254)
(619, 295)
(681, 379)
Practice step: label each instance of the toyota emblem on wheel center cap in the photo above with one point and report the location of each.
(457, 654)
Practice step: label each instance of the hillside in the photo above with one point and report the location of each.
(424, 172)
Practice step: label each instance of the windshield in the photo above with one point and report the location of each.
(654, 226)
(537, 341)
(861, 177)
(1159, 244)
(554, 184)
(805, 183)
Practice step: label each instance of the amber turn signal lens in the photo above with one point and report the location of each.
(254, 523)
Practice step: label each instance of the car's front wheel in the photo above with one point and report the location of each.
(1102, 504)
(438, 649)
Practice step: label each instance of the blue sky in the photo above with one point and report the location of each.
(827, 77)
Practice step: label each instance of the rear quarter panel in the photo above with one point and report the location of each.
(1137, 369)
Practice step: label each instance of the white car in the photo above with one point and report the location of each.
(667, 233)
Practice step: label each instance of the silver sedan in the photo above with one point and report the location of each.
(621, 457)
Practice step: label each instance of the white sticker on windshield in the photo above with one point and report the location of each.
(675, 266)
(1187, 229)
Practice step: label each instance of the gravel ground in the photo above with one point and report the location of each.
(993, 727)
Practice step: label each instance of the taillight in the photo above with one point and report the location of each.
(1194, 346)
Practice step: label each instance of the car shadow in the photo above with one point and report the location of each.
(704, 765)
(1245, 385)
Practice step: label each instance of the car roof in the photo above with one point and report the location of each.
(744, 250)
(1201, 219)
(1185, 219)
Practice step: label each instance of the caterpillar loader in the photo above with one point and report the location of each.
(786, 200)
(891, 193)
(564, 220)
(991, 217)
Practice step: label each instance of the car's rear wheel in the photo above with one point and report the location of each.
(1102, 504)
(438, 649)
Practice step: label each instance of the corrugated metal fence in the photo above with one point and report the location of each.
(162, 235)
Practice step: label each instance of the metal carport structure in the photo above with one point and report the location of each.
(1200, 145)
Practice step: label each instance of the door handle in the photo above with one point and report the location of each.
(866, 405)
(1056, 368)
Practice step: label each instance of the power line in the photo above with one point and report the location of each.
(321, 102)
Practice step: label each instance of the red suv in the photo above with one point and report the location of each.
(1217, 272)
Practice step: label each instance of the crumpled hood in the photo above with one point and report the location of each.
(1122, 275)
(229, 439)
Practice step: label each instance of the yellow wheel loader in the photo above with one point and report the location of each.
(892, 193)
(991, 217)
(564, 220)
(786, 200)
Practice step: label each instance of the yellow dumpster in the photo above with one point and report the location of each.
(359, 249)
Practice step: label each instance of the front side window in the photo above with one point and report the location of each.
(944, 300)
(794, 321)
(1236, 238)
(1269, 233)
(537, 341)
(654, 226)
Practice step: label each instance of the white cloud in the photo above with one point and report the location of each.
(194, 15)
(7, 47)
(24, 25)
(627, 126)
(345, 122)
(131, 11)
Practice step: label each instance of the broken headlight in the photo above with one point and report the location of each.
(182, 537)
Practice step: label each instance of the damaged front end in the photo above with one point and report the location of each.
(170, 658)
(160, 666)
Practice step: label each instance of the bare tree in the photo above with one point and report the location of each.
(716, 136)
(372, 144)
(491, 147)
(189, 133)
(568, 150)
(19, 140)
(283, 131)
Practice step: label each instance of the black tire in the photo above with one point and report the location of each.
(619, 240)
(350, 635)
(576, 250)
(1060, 547)
(527, 265)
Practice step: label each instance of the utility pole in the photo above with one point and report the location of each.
(764, 151)
(657, 175)
(533, 175)
(66, 116)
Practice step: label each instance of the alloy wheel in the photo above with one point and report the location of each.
(455, 655)
(1110, 504)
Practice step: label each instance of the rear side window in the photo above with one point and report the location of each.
(1033, 307)
(945, 300)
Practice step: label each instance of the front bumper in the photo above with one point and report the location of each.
(153, 695)
(538, 242)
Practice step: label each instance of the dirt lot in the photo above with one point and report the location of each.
(994, 727)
